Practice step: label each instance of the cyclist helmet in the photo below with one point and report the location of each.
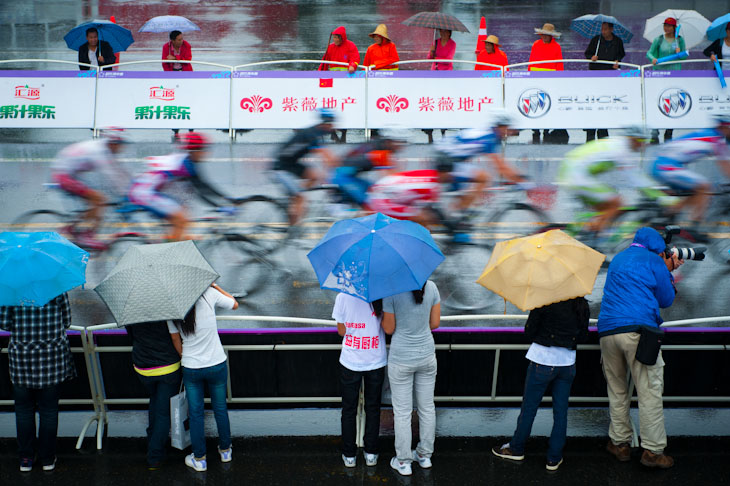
(326, 115)
(500, 118)
(113, 135)
(638, 132)
(192, 141)
(721, 119)
(395, 134)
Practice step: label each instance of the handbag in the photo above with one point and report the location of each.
(650, 343)
(179, 420)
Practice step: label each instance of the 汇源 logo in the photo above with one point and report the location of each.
(27, 92)
(160, 93)
(675, 102)
(534, 103)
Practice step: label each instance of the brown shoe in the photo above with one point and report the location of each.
(621, 451)
(662, 461)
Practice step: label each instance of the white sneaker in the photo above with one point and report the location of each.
(423, 461)
(199, 465)
(403, 468)
(226, 455)
(51, 466)
(349, 461)
(370, 459)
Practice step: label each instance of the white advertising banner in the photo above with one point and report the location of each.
(47, 99)
(683, 99)
(432, 99)
(574, 99)
(167, 99)
(287, 99)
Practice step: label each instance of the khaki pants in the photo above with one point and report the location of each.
(618, 353)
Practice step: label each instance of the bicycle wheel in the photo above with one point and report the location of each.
(259, 225)
(317, 220)
(44, 220)
(513, 221)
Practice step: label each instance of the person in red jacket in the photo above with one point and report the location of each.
(177, 49)
(341, 50)
(383, 53)
(491, 54)
(546, 48)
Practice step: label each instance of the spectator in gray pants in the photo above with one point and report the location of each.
(410, 317)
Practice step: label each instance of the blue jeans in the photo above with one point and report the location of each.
(45, 400)
(195, 380)
(538, 378)
(160, 390)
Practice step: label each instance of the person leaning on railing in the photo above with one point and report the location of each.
(666, 45)
(442, 48)
(340, 50)
(96, 52)
(546, 48)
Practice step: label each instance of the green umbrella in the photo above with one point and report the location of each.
(156, 282)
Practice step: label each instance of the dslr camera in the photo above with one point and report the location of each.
(696, 253)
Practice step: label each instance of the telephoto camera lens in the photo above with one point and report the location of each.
(690, 253)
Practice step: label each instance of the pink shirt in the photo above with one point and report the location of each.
(443, 52)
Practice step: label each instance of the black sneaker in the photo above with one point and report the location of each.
(506, 453)
(553, 466)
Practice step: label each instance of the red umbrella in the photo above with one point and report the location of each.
(436, 20)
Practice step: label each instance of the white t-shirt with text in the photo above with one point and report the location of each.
(363, 346)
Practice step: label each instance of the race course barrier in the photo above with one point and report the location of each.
(251, 96)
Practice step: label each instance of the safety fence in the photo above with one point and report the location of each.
(92, 351)
(254, 96)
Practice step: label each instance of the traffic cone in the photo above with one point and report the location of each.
(482, 35)
(113, 20)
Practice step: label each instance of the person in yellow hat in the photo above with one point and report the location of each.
(491, 54)
(383, 53)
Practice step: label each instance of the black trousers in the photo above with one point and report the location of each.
(350, 386)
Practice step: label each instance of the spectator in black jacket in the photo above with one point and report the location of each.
(554, 330)
(720, 49)
(603, 47)
(95, 52)
(156, 359)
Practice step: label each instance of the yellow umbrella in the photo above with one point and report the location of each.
(541, 269)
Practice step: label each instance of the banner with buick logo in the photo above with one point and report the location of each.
(47, 99)
(573, 99)
(683, 99)
(167, 99)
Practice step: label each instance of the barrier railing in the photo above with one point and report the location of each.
(100, 402)
(448, 99)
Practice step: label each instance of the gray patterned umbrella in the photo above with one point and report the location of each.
(156, 282)
(436, 20)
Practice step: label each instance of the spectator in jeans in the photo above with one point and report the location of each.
(554, 330)
(363, 357)
(156, 360)
(603, 47)
(204, 362)
(410, 317)
(40, 360)
(639, 282)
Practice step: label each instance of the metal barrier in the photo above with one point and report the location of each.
(92, 352)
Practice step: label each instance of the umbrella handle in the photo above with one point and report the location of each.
(676, 36)
(598, 45)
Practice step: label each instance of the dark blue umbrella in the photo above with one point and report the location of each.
(589, 26)
(119, 37)
(375, 257)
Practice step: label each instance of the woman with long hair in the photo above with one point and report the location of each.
(410, 317)
(204, 362)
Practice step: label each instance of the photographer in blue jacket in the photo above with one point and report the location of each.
(638, 284)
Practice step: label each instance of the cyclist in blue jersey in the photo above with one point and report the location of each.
(292, 173)
(455, 152)
(670, 167)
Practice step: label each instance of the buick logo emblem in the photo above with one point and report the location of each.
(675, 102)
(533, 103)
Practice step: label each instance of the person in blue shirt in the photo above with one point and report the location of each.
(639, 283)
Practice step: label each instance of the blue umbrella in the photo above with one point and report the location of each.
(716, 30)
(375, 257)
(168, 23)
(589, 26)
(119, 37)
(36, 267)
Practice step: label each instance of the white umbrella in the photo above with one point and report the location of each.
(168, 23)
(693, 26)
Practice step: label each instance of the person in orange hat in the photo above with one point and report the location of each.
(382, 54)
(491, 54)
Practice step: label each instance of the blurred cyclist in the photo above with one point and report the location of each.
(162, 172)
(586, 170)
(92, 156)
(455, 151)
(670, 167)
(292, 173)
(375, 155)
